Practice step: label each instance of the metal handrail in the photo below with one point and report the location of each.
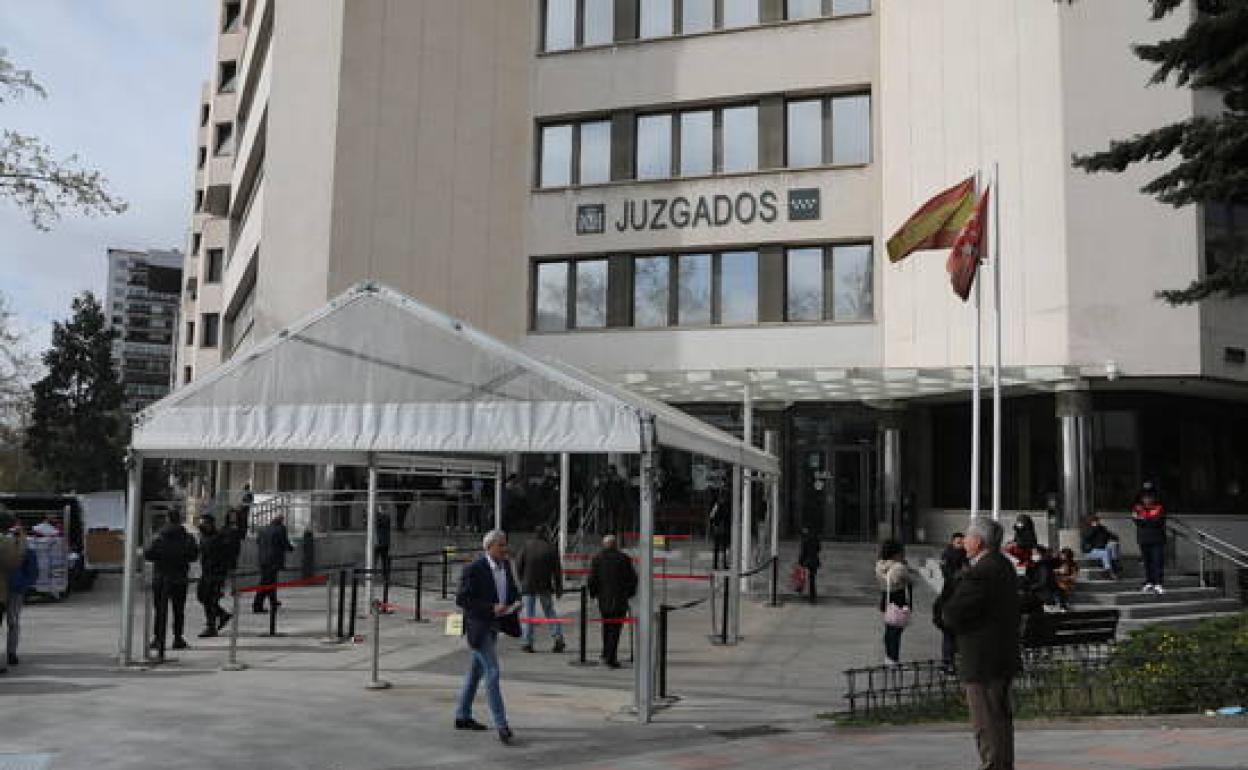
(1203, 540)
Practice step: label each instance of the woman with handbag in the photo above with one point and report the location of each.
(896, 597)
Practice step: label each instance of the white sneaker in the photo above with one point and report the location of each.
(1147, 587)
(890, 662)
(1157, 589)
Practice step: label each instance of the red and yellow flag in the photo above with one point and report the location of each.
(937, 224)
(969, 249)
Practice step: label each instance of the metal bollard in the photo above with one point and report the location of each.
(273, 613)
(420, 584)
(355, 606)
(446, 570)
(584, 629)
(385, 581)
(329, 609)
(723, 629)
(231, 663)
(146, 584)
(376, 683)
(663, 611)
(342, 598)
(775, 581)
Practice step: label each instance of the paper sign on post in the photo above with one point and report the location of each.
(455, 624)
(660, 541)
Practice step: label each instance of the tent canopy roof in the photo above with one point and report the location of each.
(377, 371)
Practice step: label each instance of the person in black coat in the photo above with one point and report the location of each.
(1149, 516)
(541, 579)
(808, 557)
(171, 553)
(215, 555)
(720, 525)
(982, 609)
(613, 582)
(490, 599)
(272, 545)
(952, 562)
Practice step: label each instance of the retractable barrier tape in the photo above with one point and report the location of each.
(680, 576)
(636, 535)
(308, 581)
(444, 613)
(588, 556)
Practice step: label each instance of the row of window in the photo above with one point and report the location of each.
(569, 24)
(700, 142)
(820, 283)
(210, 330)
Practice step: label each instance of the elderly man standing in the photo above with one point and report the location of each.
(490, 600)
(982, 611)
(612, 581)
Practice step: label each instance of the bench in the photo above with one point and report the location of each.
(1062, 629)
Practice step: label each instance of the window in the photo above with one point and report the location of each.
(232, 17)
(833, 130)
(657, 18)
(598, 26)
(203, 114)
(224, 144)
(591, 294)
(697, 16)
(196, 240)
(186, 375)
(594, 164)
(212, 271)
(651, 291)
(551, 294)
(211, 329)
(740, 13)
(850, 7)
(804, 285)
(852, 283)
(199, 200)
(693, 287)
(654, 146)
(190, 332)
(556, 156)
(740, 138)
(560, 25)
(697, 143)
(738, 287)
(201, 157)
(803, 9)
(227, 77)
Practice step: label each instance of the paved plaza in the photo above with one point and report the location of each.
(302, 703)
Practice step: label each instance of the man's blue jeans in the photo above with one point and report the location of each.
(484, 663)
(548, 610)
(1108, 555)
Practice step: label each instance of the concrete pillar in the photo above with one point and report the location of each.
(134, 515)
(890, 438)
(1074, 418)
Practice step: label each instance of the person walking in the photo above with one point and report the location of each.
(490, 599)
(214, 561)
(381, 545)
(983, 610)
(171, 554)
(952, 562)
(13, 552)
(613, 582)
(808, 559)
(896, 597)
(244, 507)
(541, 576)
(1149, 516)
(1099, 542)
(720, 525)
(272, 545)
(233, 535)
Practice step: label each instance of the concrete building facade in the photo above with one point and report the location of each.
(691, 197)
(141, 303)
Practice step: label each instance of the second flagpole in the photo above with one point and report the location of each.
(996, 365)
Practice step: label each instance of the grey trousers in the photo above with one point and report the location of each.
(13, 617)
(992, 718)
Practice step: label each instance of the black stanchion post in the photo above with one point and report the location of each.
(420, 579)
(723, 628)
(342, 598)
(584, 623)
(663, 610)
(273, 613)
(355, 598)
(775, 581)
(446, 570)
(385, 583)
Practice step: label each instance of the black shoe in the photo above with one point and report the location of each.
(260, 610)
(559, 646)
(179, 643)
(505, 735)
(207, 633)
(527, 648)
(224, 620)
(613, 664)
(469, 724)
(12, 659)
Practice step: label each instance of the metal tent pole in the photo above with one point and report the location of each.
(134, 513)
(996, 363)
(644, 659)
(565, 494)
(371, 529)
(747, 489)
(771, 441)
(734, 560)
(498, 496)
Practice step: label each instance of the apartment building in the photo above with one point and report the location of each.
(141, 303)
(690, 197)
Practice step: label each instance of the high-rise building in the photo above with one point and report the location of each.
(141, 304)
(691, 197)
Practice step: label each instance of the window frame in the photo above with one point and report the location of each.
(208, 265)
(827, 133)
(574, 152)
(828, 283)
(676, 117)
(206, 326)
(572, 273)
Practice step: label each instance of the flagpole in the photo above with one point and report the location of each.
(996, 366)
(975, 405)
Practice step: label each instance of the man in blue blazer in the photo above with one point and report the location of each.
(490, 600)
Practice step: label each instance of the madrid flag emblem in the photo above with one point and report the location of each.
(968, 249)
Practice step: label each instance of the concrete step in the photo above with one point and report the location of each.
(1136, 597)
(1178, 620)
(1128, 585)
(1169, 609)
(1099, 573)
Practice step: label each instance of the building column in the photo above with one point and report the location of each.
(891, 421)
(1074, 418)
(132, 557)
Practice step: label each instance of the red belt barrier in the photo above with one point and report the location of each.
(308, 581)
(576, 571)
(620, 621)
(443, 613)
(680, 576)
(636, 535)
(588, 556)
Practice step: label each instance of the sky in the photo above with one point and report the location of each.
(123, 79)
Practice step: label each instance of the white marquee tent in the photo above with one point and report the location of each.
(375, 371)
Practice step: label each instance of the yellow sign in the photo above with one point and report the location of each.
(455, 624)
(660, 541)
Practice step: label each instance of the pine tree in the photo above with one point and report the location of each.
(1212, 150)
(78, 431)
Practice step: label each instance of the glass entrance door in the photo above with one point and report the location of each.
(851, 494)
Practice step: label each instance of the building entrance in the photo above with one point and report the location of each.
(834, 471)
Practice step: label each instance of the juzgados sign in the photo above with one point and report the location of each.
(680, 213)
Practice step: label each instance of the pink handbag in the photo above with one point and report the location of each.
(894, 614)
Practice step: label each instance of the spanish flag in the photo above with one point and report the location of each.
(936, 224)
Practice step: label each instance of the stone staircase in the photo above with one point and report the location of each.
(1183, 604)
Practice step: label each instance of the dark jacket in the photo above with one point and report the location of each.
(382, 536)
(1150, 523)
(171, 553)
(613, 581)
(233, 538)
(808, 557)
(538, 568)
(272, 545)
(982, 611)
(1097, 538)
(1025, 532)
(215, 555)
(477, 596)
(25, 575)
(952, 560)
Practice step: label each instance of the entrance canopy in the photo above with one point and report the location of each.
(375, 371)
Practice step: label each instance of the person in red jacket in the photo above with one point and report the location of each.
(1150, 531)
